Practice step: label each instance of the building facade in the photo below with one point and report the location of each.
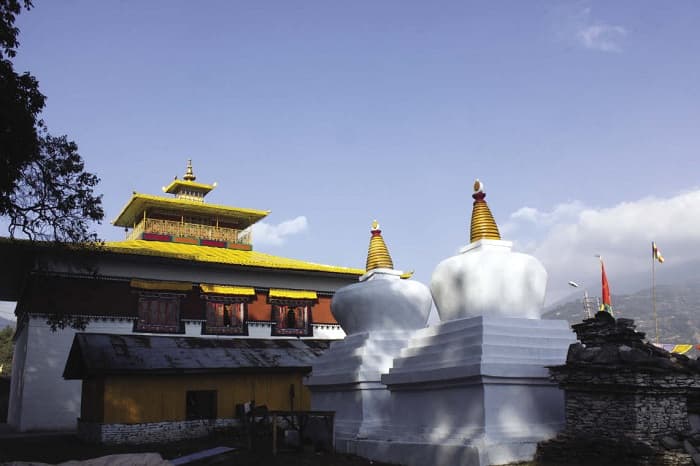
(186, 268)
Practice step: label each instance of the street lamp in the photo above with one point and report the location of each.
(586, 301)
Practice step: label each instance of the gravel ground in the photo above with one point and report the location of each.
(54, 449)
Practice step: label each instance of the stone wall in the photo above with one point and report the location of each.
(626, 399)
(151, 432)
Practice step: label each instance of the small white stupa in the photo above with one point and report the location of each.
(383, 299)
(487, 278)
(378, 314)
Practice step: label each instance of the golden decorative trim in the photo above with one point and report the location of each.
(159, 285)
(292, 294)
(227, 290)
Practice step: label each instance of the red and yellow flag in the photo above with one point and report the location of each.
(655, 253)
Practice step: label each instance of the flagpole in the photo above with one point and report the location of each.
(653, 295)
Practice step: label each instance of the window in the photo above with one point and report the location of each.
(225, 317)
(291, 319)
(158, 312)
(200, 404)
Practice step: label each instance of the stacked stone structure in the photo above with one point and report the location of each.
(624, 396)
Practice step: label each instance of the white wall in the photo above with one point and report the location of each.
(40, 399)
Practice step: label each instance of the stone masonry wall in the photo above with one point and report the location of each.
(151, 432)
(639, 415)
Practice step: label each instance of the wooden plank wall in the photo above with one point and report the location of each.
(136, 399)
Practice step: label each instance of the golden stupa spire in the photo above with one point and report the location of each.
(378, 254)
(189, 174)
(483, 225)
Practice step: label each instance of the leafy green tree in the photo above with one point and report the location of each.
(6, 348)
(44, 191)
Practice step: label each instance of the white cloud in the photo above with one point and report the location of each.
(566, 238)
(601, 36)
(275, 235)
(577, 25)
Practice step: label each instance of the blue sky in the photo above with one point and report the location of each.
(581, 118)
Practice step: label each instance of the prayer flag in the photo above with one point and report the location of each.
(656, 254)
(607, 302)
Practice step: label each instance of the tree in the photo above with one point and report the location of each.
(6, 349)
(44, 190)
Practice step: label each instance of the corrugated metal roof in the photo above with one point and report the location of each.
(103, 354)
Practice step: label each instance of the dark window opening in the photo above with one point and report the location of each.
(292, 319)
(158, 313)
(225, 318)
(201, 404)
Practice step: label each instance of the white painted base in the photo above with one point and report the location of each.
(471, 391)
(346, 380)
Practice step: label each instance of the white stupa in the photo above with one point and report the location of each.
(487, 278)
(383, 299)
(474, 389)
(378, 314)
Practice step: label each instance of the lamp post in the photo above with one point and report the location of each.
(586, 299)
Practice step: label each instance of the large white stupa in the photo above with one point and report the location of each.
(486, 277)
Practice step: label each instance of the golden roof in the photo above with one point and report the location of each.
(292, 294)
(133, 211)
(227, 290)
(378, 254)
(176, 186)
(483, 225)
(160, 285)
(188, 183)
(207, 254)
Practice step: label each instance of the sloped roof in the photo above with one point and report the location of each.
(95, 354)
(133, 210)
(226, 256)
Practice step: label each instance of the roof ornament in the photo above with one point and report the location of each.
(483, 226)
(189, 174)
(378, 254)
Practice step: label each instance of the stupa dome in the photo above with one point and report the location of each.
(384, 299)
(486, 277)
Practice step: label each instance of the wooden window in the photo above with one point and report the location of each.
(225, 317)
(201, 404)
(158, 313)
(292, 319)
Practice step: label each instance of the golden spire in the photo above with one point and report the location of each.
(378, 254)
(189, 174)
(483, 225)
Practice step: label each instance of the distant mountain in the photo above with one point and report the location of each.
(4, 323)
(677, 308)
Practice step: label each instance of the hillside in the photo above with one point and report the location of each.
(677, 307)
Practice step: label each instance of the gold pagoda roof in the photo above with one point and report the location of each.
(378, 254)
(483, 226)
(133, 211)
(213, 255)
(176, 186)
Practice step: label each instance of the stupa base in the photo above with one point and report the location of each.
(472, 391)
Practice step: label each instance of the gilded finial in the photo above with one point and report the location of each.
(483, 226)
(378, 254)
(189, 174)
